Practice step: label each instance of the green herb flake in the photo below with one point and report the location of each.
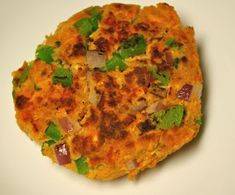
(115, 62)
(47, 143)
(45, 53)
(36, 87)
(199, 121)
(25, 73)
(63, 76)
(13, 94)
(176, 63)
(53, 132)
(87, 26)
(84, 26)
(82, 165)
(133, 46)
(173, 44)
(169, 118)
(163, 76)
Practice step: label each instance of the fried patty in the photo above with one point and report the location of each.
(113, 91)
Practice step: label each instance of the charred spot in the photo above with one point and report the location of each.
(102, 44)
(110, 19)
(149, 137)
(111, 83)
(44, 72)
(143, 76)
(123, 35)
(146, 126)
(155, 53)
(130, 144)
(68, 103)
(97, 75)
(21, 101)
(78, 49)
(110, 30)
(111, 126)
(142, 26)
(16, 81)
(184, 59)
(84, 145)
(155, 89)
(112, 101)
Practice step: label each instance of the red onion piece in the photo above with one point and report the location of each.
(65, 124)
(95, 59)
(185, 92)
(62, 154)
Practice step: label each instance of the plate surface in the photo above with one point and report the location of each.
(205, 166)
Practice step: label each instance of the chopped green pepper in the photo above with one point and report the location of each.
(199, 121)
(36, 87)
(63, 76)
(53, 131)
(84, 26)
(163, 76)
(176, 62)
(25, 73)
(45, 53)
(82, 165)
(115, 61)
(171, 42)
(170, 118)
(133, 46)
(87, 26)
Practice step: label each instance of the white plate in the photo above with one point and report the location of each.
(206, 166)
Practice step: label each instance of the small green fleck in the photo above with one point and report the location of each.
(199, 121)
(176, 63)
(53, 132)
(82, 165)
(25, 73)
(87, 26)
(84, 26)
(172, 44)
(13, 94)
(63, 76)
(48, 143)
(57, 44)
(133, 46)
(114, 62)
(163, 77)
(169, 118)
(45, 53)
(36, 87)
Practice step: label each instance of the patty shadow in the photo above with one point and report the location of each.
(190, 148)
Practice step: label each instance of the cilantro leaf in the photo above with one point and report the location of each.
(63, 76)
(199, 121)
(82, 165)
(45, 53)
(133, 46)
(25, 73)
(84, 26)
(176, 62)
(87, 26)
(53, 131)
(163, 76)
(170, 118)
(115, 61)
(171, 42)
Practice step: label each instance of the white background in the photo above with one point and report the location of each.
(204, 167)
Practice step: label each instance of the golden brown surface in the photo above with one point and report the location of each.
(107, 131)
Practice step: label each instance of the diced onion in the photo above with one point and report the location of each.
(132, 164)
(197, 90)
(62, 154)
(95, 59)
